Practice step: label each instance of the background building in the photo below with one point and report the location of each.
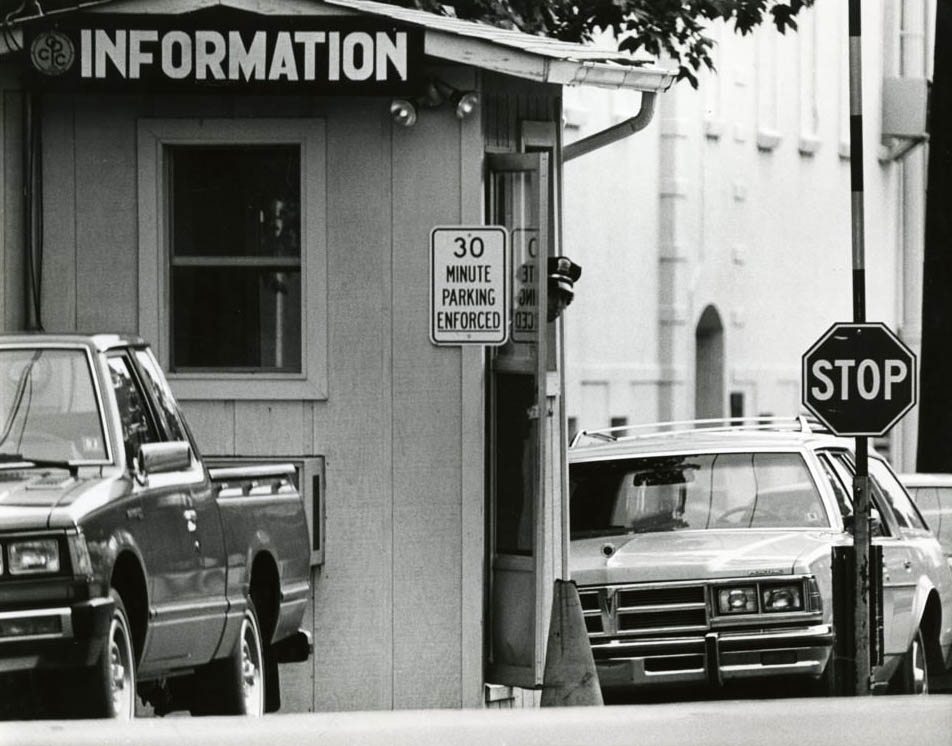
(716, 244)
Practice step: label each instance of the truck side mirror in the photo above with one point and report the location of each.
(159, 458)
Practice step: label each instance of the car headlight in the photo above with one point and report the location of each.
(740, 599)
(32, 556)
(788, 597)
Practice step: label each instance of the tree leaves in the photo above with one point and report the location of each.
(670, 27)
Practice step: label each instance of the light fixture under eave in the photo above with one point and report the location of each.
(465, 103)
(403, 112)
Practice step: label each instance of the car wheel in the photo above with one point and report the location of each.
(914, 670)
(108, 689)
(235, 685)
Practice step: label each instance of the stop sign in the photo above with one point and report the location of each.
(859, 379)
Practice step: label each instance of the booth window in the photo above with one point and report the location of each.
(232, 256)
(235, 256)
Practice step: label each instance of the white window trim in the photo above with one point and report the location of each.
(154, 136)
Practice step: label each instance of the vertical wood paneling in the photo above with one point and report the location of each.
(472, 446)
(106, 222)
(269, 428)
(14, 317)
(59, 215)
(213, 425)
(353, 614)
(427, 458)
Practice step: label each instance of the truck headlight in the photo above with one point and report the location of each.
(787, 597)
(739, 599)
(32, 556)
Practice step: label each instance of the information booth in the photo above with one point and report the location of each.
(253, 187)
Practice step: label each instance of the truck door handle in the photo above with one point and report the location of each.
(190, 517)
(907, 564)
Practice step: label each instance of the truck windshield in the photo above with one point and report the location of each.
(48, 406)
(693, 492)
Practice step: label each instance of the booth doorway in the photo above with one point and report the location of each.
(709, 365)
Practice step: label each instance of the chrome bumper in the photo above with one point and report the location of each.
(712, 658)
(53, 637)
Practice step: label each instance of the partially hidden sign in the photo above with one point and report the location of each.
(469, 285)
(226, 50)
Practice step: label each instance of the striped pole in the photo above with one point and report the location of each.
(861, 510)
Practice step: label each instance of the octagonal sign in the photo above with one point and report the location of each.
(859, 379)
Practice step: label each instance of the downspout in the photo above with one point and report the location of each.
(614, 133)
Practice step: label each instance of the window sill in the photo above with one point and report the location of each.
(244, 386)
(768, 139)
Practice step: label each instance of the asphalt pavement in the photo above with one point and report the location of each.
(870, 721)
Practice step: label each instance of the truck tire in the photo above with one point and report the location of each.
(913, 673)
(235, 685)
(108, 689)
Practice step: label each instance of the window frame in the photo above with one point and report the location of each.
(155, 136)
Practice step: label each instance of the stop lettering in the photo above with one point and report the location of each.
(872, 379)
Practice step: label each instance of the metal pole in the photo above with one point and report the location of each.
(861, 480)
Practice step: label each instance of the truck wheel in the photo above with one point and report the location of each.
(235, 685)
(913, 674)
(109, 687)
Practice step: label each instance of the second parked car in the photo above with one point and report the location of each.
(702, 554)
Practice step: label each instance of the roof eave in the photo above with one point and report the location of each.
(510, 61)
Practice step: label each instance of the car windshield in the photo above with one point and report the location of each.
(693, 492)
(48, 406)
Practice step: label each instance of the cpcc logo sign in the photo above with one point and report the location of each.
(52, 52)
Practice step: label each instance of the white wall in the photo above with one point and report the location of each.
(736, 196)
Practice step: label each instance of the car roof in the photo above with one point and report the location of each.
(96, 342)
(919, 479)
(697, 436)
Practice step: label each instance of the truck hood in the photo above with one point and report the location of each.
(29, 497)
(694, 555)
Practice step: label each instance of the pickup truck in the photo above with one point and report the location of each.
(703, 554)
(127, 567)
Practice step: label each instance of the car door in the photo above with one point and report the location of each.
(169, 552)
(897, 557)
(203, 520)
(919, 556)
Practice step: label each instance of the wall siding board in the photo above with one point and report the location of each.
(213, 425)
(59, 215)
(426, 378)
(107, 230)
(269, 428)
(472, 441)
(353, 620)
(12, 281)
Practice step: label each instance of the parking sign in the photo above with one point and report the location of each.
(469, 285)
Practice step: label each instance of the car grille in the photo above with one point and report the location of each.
(647, 609)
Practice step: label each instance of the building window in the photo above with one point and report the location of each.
(232, 256)
(235, 256)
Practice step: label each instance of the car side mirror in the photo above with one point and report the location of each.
(160, 458)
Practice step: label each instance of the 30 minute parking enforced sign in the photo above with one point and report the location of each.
(469, 285)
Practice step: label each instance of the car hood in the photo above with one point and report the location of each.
(29, 498)
(694, 555)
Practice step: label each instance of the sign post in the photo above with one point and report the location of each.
(861, 479)
(469, 285)
(859, 380)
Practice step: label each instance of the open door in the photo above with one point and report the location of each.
(524, 419)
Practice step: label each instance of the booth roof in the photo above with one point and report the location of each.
(506, 51)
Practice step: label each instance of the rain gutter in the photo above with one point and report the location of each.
(614, 133)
